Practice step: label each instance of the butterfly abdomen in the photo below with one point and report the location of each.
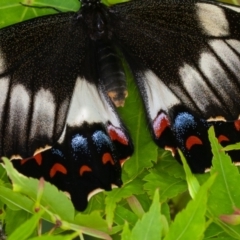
(110, 70)
(111, 73)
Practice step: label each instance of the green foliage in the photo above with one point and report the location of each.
(154, 201)
(129, 212)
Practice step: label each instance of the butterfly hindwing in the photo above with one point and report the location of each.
(84, 164)
(89, 154)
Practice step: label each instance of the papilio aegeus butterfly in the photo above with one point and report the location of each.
(61, 80)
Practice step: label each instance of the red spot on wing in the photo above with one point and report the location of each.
(193, 140)
(23, 161)
(37, 158)
(222, 138)
(160, 123)
(84, 169)
(237, 125)
(107, 158)
(57, 167)
(117, 135)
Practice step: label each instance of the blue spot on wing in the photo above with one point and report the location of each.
(79, 143)
(100, 139)
(56, 151)
(186, 124)
(184, 120)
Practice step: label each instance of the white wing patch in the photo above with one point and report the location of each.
(2, 62)
(196, 86)
(218, 79)
(4, 86)
(234, 44)
(88, 105)
(212, 19)
(20, 102)
(43, 114)
(61, 115)
(159, 97)
(227, 55)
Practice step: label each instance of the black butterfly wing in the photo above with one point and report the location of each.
(37, 77)
(88, 155)
(186, 45)
(51, 97)
(186, 61)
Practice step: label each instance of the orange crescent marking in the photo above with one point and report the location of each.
(222, 138)
(115, 136)
(107, 158)
(57, 167)
(237, 125)
(84, 169)
(193, 140)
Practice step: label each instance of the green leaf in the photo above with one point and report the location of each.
(150, 226)
(123, 215)
(169, 164)
(63, 207)
(15, 201)
(224, 195)
(134, 187)
(14, 219)
(213, 231)
(169, 186)
(97, 202)
(232, 147)
(111, 2)
(165, 225)
(3, 175)
(135, 205)
(166, 211)
(133, 115)
(232, 219)
(26, 229)
(88, 231)
(11, 11)
(93, 220)
(193, 184)
(126, 233)
(191, 221)
(69, 237)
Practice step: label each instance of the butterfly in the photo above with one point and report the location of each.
(61, 80)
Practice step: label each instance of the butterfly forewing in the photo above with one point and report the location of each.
(192, 48)
(38, 73)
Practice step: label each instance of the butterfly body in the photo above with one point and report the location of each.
(61, 79)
